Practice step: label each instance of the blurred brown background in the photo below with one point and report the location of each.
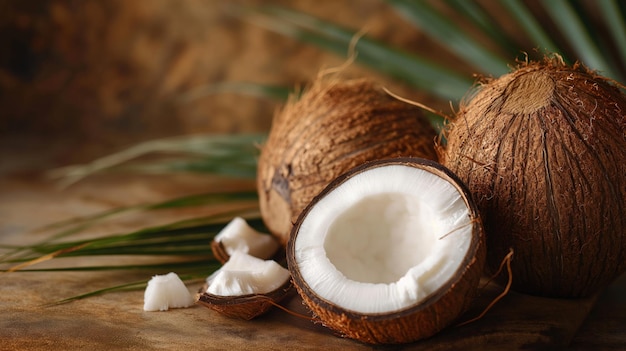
(83, 78)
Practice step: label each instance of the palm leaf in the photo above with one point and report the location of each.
(66, 228)
(417, 71)
(190, 236)
(228, 155)
(446, 32)
(614, 18)
(475, 13)
(135, 285)
(188, 239)
(117, 288)
(531, 26)
(391, 60)
(578, 35)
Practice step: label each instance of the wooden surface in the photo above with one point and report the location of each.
(117, 321)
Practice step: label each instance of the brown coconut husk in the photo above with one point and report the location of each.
(221, 255)
(543, 151)
(334, 126)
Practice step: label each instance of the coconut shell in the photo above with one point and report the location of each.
(543, 151)
(425, 318)
(219, 251)
(332, 128)
(222, 256)
(244, 307)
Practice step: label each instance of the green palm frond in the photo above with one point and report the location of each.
(531, 26)
(617, 25)
(226, 155)
(480, 19)
(445, 31)
(184, 243)
(189, 236)
(186, 237)
(574, 40)
(421, 72)
(578, 36)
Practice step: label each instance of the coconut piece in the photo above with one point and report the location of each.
(332, 127)
(244, 275)
(239, 236)
(166, 291)
(543, 151)
(245, 286)
(390, 252)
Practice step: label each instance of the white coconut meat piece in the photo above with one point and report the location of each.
(166, 291)
(237, 235)
(384, 239)
(244, 274)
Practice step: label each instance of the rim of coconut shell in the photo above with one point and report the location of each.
(221, 255)
(415, 321)
(244, 307)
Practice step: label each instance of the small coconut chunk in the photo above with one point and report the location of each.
(244, 274)
(239, 236)
(166, 291)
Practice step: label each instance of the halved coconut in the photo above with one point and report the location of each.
(238, 235)
(245, 286)
(390, 252)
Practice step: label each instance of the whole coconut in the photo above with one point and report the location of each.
(333, 127)
(543, 151)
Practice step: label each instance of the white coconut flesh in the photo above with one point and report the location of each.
(166, 291)
(244, 274)
(383, 240)
(237, 235)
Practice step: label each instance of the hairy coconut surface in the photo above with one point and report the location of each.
(390, 252)
(543, 151)
(334, 126)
